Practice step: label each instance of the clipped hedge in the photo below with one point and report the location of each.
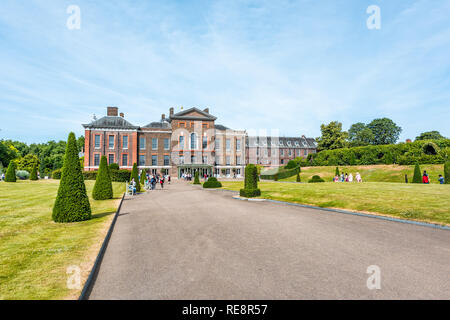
(281, 174)
(447, 172)
(212, 183)
(251, 182)
(422, 152)
(316, 179)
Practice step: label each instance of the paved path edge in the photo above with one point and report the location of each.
(94, 271)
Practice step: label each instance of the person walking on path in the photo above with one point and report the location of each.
(425, 178)
(441, 179)
(161, 181)
(168, 178)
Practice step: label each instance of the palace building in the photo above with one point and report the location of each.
(185, 142)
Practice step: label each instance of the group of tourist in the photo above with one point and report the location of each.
(426, 178)
(344, 177)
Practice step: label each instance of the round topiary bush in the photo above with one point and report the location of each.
(212, 183)
(22, 174)
(72, 202)
(316, 179)
(103, 186)
(10, 175)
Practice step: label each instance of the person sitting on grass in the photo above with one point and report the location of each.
(425, 178)
(441, 179)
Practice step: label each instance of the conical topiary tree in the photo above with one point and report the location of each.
(103, 186)
(143, 176)
(33, 175)
(337, 172)
(447, 172)
(10, 175)
(196, 178)
(298, 177)
(72, 202)
(417, 178)
(135, 175)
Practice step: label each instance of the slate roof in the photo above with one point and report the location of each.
(281, 142)
(220, 127)
(158, 125)
(185, 115)
(111, 122)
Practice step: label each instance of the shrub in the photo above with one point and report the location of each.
(316, 179)
(22, 174)
(212, 183)
(120, 175)
(447, 172)
(56, 174)
(10, 175)
(103, 186)
(196, 179)
(114, 166)
(291, 164)
(72, 202)
(251, 182)
(298, 177)
(143, 177)
(275, 177)
(34, 176)
(90, 175)
(417, 178)
(135, 176)
(281, 174)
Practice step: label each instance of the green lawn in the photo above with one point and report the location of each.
(34, 251)
(408, 201)
(373, 173)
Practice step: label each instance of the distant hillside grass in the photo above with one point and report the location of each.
(372, 173)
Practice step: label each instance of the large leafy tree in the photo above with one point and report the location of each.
(385, 131)
(72, 202)
(28, 162)
(360, 135)
(7, 153)
(430, 135)
(332, 136)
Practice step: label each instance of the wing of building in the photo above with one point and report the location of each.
(185, 142)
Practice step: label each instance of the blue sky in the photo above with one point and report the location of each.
(287, 65)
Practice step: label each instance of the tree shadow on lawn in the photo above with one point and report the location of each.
(102, 214)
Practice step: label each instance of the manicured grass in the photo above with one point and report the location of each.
(34, 251)
(373, 173)
(420, 202)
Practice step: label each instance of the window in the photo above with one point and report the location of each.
(266, 152)
(282, 152)
(110, 158)
(218, 161)
(166, 144)
(228, 142)
(205, 159)
(282, 161)
(154, 144)
(111, 142)
(205, 142)
(166, 160)
(228, 160)
(142, 160)
(154, 160)
(238, 160)
(238, 171)
(181, 159)
(125, 160)
(290, 152)
(97, 141)
(125, 142)
(205, 125)
(238, 144)
(217, 144)
(142, 143)
(96, 160)
(193, 141)
(306, 152)
(193, 159)
(181, 142)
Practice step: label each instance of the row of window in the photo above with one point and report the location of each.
(289, 153)
(142, 142)
(218, 160)
(124, 160)
(143, 162)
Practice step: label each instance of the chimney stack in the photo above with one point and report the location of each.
(122, 115)
(206, 110)
(112, 111)
(163, 117)
(171, 111)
